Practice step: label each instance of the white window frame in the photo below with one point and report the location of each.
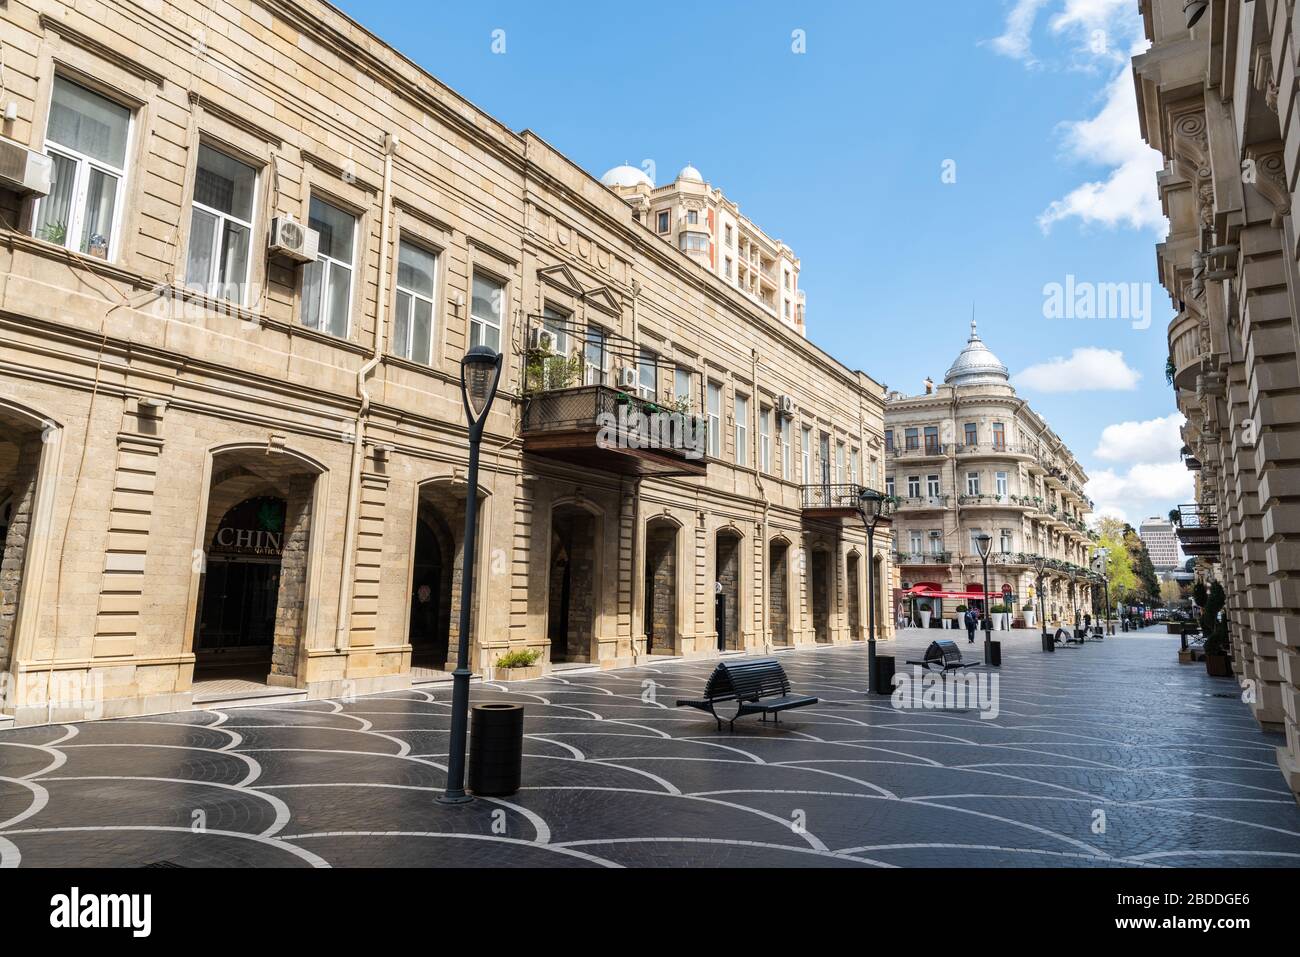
(972, 483)
(933, 486)
(211, 284)
(682, 375)
(805, 451)
(765, 440)
(647, 359)
(410, 317)
(740, 409)
(487, 322)
(714, 411)
(1002, 483)
(330, 263)
(595, 374)
(914, 486)
(81, 180)
(787, 449)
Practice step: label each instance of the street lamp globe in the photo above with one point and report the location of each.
(984, 542)
(871, 502)
(480, 371)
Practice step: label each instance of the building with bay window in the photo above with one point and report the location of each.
(971, 458)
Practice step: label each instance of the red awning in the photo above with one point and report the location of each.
(922, 591)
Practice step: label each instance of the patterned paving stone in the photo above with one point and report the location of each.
(615, 776)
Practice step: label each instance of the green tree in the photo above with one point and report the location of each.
(1119, 563)
(1148, 586)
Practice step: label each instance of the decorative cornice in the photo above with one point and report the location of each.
(237, 120)
(339, 172)
(51, 24)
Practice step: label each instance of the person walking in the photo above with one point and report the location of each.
(972, 620)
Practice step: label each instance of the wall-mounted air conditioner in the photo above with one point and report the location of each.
(542, 340)
(627, 378)
(292, 240)
(23, 171)
(785, 406)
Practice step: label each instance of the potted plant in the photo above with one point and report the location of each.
(1218, 648)
(520, 664)
(1031, 613)
(999, 620)
(961, 617)
(925, 617)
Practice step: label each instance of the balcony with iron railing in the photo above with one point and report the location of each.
(918, 451)
(1198, 530)
(604, 428)
(994, 450)
(924, 503)
(993, 501)
(835, 501)
(916, 559)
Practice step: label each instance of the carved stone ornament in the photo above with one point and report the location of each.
(1270, 178)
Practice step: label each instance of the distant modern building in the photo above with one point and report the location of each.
(1162, 543)
(971, 457)
(700, 221)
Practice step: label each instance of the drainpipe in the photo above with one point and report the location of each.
(344, 617)
(758, 480)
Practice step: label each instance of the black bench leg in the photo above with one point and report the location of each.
(776, 717)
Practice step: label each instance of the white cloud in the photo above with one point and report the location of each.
(1015, 41)
(1146, 489)
(1155, 440)
(1086, 370)
(1128, 196)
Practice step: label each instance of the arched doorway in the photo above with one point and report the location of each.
(571, 604)
(727, 597)
(854, 572)
(778, 592)
(431, 576)
(236, 628)
(254, 601)
(661, 587)
(820, 586)
(22, 452)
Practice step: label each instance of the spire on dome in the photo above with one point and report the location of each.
(976, 365)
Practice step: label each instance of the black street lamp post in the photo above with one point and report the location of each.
(984, 543)
(480, 374)
(1103, 562)
(871, 505)
(1040, 564)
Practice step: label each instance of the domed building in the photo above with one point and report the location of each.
(970, 458)
(709, 228)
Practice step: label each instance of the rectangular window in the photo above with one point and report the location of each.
(742, 430)
(86, 139)
(694, 242)
(974, 545)
(327, 282)
(485, 313)
(595, 358)
(805, 455)
(417, 277)
(1006, 541)
(765, 440)
(936, 542)
(663, 221)
(693, 217)
(972, 483)
(840, 463)
(914, 539)
(715, 420)
(854, 459)
(914, 486)
(726, 267)
(889, 486)
(648, 374)
(557, 324)
(912, 439)
(682, 385)
(787, 450)
(931, 440)
(999, 435)
(1002, 484)
(972, 434)
(932, 486)
(221, 226)
(731, 237)
(889, 440)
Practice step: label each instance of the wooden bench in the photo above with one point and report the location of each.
(747, 686)
(944, 656)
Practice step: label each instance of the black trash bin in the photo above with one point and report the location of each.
(1049, 643)
(885, 667)
(994, 654)
(496, 749)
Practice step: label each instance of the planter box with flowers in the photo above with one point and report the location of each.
(519, 665)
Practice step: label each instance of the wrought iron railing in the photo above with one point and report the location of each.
(918, 451)
(924, 501)
(831, 496)
(922, 558)
(1198, 516)
(597, 406)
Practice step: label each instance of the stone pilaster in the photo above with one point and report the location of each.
(13, 557)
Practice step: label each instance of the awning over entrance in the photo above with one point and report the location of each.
(974, 593)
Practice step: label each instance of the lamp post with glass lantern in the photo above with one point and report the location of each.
(480, 374)
(984, 543)
(1040, 565)
(871, 505)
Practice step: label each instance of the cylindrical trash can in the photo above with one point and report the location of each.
(884, 675)
(1049, 643)
(995, 654)
(496, 749)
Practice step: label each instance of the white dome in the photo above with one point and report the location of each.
(976, 365)
(690, 174)
(627, 176)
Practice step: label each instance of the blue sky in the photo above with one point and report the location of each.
(840, 151)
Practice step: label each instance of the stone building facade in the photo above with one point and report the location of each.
(970, 457)
(1219, 101)
(225, 454)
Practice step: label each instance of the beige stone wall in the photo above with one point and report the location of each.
(1222, 111)
(128, 489)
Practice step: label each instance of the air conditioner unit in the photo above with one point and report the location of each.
(627, 378)
(292, 240)
(542, 340)
(785, 405)
(23, 171)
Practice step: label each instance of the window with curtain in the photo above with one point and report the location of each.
(413, 319)
(486, 309)
(221, 226)
(327, 282)
(86, 139)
